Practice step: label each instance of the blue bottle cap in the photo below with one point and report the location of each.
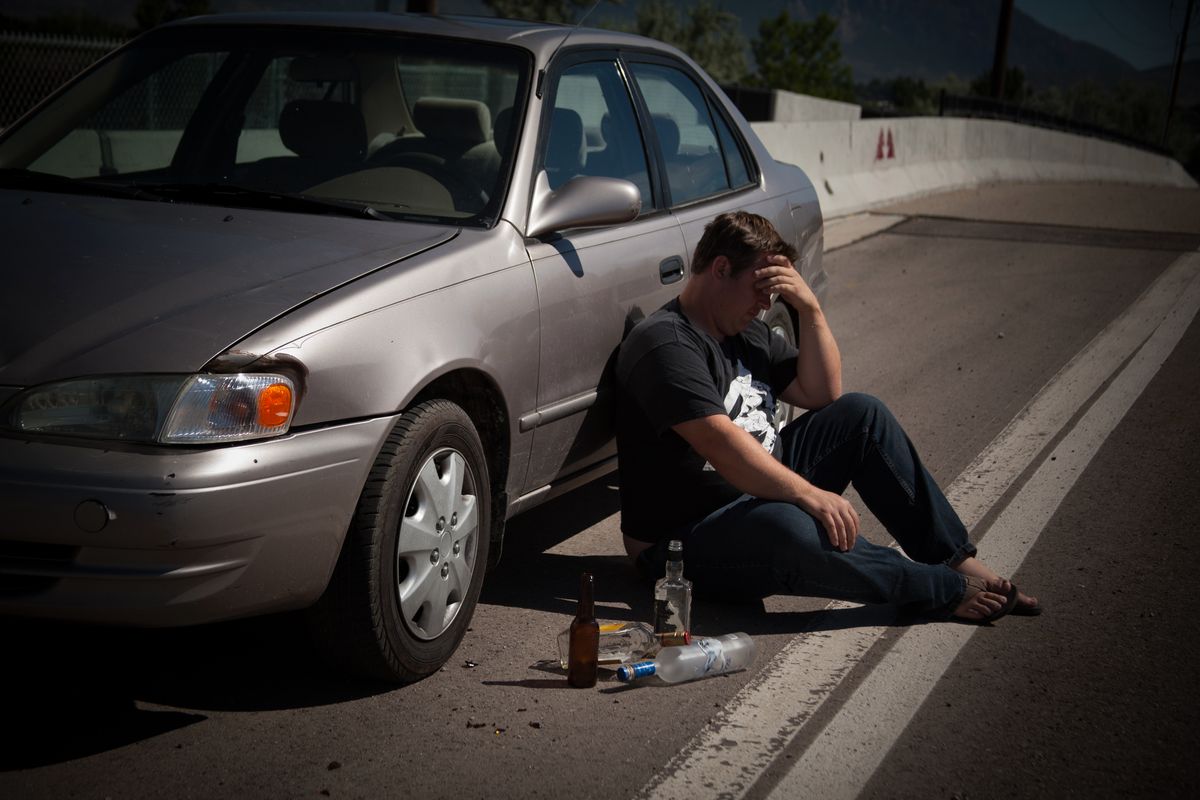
(628, 672)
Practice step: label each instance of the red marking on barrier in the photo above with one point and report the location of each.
(891, 153)
(879, 147)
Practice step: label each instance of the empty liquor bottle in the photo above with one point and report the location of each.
(673, 595)
(585, 639)
(700, 659)
(622, 642)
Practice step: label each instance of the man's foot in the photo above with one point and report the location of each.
(1026, 606)
(986, 601)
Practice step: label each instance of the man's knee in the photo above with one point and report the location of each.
(859, 404)
(789, 533)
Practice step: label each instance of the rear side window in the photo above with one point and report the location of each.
(698, 148)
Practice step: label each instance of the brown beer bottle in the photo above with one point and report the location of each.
(585, 639)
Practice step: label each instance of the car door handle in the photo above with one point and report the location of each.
(670, 270)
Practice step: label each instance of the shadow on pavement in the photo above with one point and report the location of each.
(74, 690)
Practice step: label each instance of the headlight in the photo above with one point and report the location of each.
(174, 409)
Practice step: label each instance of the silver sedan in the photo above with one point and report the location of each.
(300, 309)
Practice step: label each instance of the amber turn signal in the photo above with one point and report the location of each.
(274, 405)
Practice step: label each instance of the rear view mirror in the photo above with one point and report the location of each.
(584, 202)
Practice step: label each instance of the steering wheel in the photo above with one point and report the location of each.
(465, 191)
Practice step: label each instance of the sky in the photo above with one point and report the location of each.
(1143, 32)
(1139, 31)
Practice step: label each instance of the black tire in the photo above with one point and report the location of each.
(384, 615)
(781, 324)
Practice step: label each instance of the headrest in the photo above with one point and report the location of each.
(607, 130)
(502, 128)
(668, 134)
(323, 129)
(567, 148)
(443, 118)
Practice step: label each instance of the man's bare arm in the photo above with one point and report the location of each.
(818, 379)
(740, 459)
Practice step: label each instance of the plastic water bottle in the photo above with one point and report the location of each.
(701, 658)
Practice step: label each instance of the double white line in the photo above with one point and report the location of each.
(730, 755)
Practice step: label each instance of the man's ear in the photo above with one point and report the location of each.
(721, 267)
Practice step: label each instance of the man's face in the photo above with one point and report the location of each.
(741, 302)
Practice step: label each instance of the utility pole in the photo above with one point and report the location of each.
(999, 63)
(1187, 21)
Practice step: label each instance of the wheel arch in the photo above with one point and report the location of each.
(480, 397)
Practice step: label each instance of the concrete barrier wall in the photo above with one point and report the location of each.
(792, 107)
(858, 164)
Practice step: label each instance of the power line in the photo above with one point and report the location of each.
(1124, 35)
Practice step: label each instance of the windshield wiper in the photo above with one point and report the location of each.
(11, 178)
(232, 194)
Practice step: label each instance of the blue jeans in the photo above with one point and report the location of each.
(754, 548)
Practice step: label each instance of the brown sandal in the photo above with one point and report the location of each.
(976, 585)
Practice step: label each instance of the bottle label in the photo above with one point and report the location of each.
(667, 617)
(714, 655)
(674, 638)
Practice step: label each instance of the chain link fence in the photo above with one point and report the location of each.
(34, 65)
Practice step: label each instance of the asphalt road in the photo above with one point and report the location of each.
(957, 315)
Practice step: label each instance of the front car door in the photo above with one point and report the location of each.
(593, 285)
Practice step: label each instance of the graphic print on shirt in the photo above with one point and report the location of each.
(751, 406)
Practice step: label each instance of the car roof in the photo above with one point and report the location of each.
(541, 38)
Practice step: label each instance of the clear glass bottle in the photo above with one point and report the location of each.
(673, 595)
(584, 639)
(623, 642)
(700, 659)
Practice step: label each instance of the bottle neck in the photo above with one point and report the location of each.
(587, 606)
(674, 569)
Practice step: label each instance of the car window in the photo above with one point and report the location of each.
(735, 163)
(689, 139)
(593, 129)
(137, 130)
(279, 86)
(394, 126)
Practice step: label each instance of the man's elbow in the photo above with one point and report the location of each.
(816, 400)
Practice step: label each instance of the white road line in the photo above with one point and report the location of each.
(733, 751)
(851, 747)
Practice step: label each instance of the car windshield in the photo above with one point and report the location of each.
(367, 124)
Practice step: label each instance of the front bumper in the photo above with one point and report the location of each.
(163, 537)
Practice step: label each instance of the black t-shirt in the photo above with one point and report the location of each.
(668, 372)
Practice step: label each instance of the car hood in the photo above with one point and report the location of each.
(97, 285)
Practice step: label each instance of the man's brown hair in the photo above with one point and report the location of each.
(739, 236)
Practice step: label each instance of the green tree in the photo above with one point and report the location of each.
(1016, 88)
(707, 33)
(568, 11)
(803, 57)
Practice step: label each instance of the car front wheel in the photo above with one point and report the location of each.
(410, 571)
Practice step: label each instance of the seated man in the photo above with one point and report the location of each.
(759, 513)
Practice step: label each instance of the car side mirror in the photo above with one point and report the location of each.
(587, 201)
